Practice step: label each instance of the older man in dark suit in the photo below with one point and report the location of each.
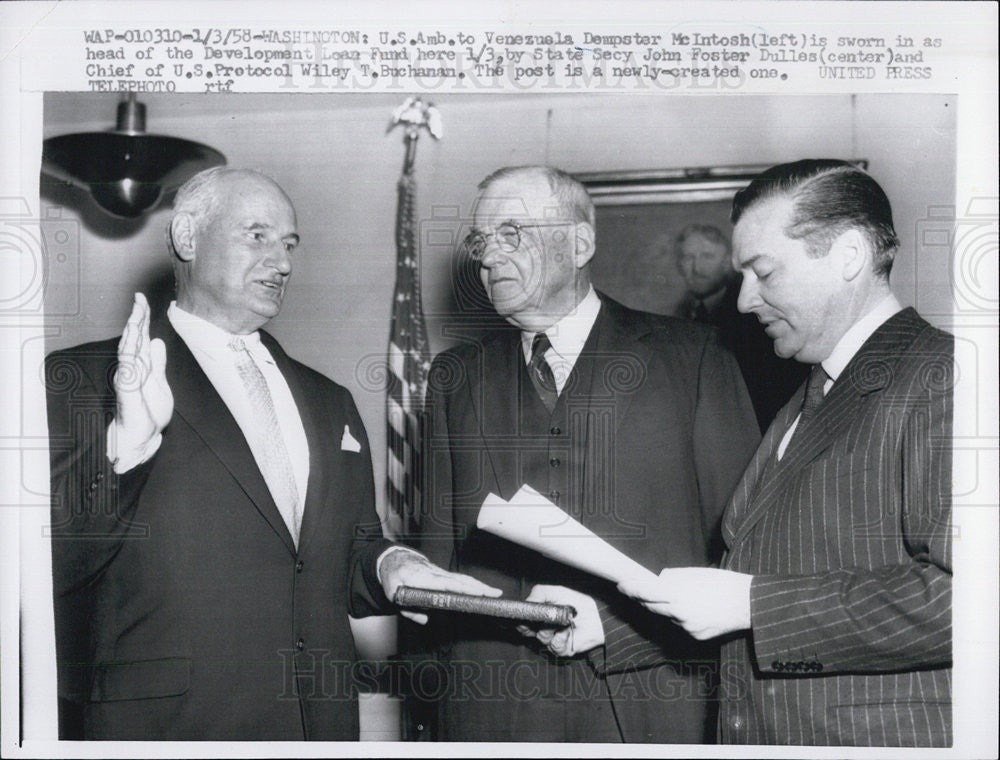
(213, 505)
(835, 592)
(637, 425)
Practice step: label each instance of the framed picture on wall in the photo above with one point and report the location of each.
(640, 213)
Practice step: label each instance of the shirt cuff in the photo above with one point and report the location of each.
(124, 455)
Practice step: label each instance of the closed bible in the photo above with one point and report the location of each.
(556, 615)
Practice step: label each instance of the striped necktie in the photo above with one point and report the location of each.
(811, 401)
(541, 373)
(269, 449)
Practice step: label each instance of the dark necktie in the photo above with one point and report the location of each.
(699, 313)
(814, 391)
(813, 398)
(541, 373)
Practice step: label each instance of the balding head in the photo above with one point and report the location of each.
(570, 196)
(231, 237)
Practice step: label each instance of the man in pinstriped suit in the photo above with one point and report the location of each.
(834, 596)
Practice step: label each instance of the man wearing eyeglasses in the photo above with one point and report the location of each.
(638, 426)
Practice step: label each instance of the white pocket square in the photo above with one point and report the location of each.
(349, 442)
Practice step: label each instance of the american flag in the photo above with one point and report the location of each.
(409, 362)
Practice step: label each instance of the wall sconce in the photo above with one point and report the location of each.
(127, 171)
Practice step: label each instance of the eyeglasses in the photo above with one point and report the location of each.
(508, 237)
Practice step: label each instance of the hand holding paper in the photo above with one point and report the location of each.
(704, 601)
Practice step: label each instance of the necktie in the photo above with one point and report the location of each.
(699, 313)
(814, 391)
(269, 448)
(813, 398)
(541, 373)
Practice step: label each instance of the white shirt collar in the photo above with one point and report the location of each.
(569, 334)
(859, 332)
(201, 335)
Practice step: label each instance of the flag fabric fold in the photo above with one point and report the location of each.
(408, 365)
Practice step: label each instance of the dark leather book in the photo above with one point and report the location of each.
(556, 615)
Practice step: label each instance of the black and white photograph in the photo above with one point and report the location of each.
(546, 420)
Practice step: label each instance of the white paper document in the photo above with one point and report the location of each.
(531, 520)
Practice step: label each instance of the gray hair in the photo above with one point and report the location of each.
(570, 193)
(201, 195)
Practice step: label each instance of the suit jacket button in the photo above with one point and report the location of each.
(93, 485)
(299, 565)
(554, 495)
(554, 462)
(556, 430)
(737, 722)
(100, 476)
(300, 644)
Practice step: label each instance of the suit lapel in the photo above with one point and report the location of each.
(613, 358)
(620, 360)
(201, 407)
(585, 432)
(745, 496)
(498, 407)
(867, 374)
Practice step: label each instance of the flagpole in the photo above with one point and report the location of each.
(411, 137)
(408, 353)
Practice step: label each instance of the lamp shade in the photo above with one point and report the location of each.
(127, 171)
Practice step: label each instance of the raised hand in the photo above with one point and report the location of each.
(704, 601)
(144, 402)
(405, 567)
